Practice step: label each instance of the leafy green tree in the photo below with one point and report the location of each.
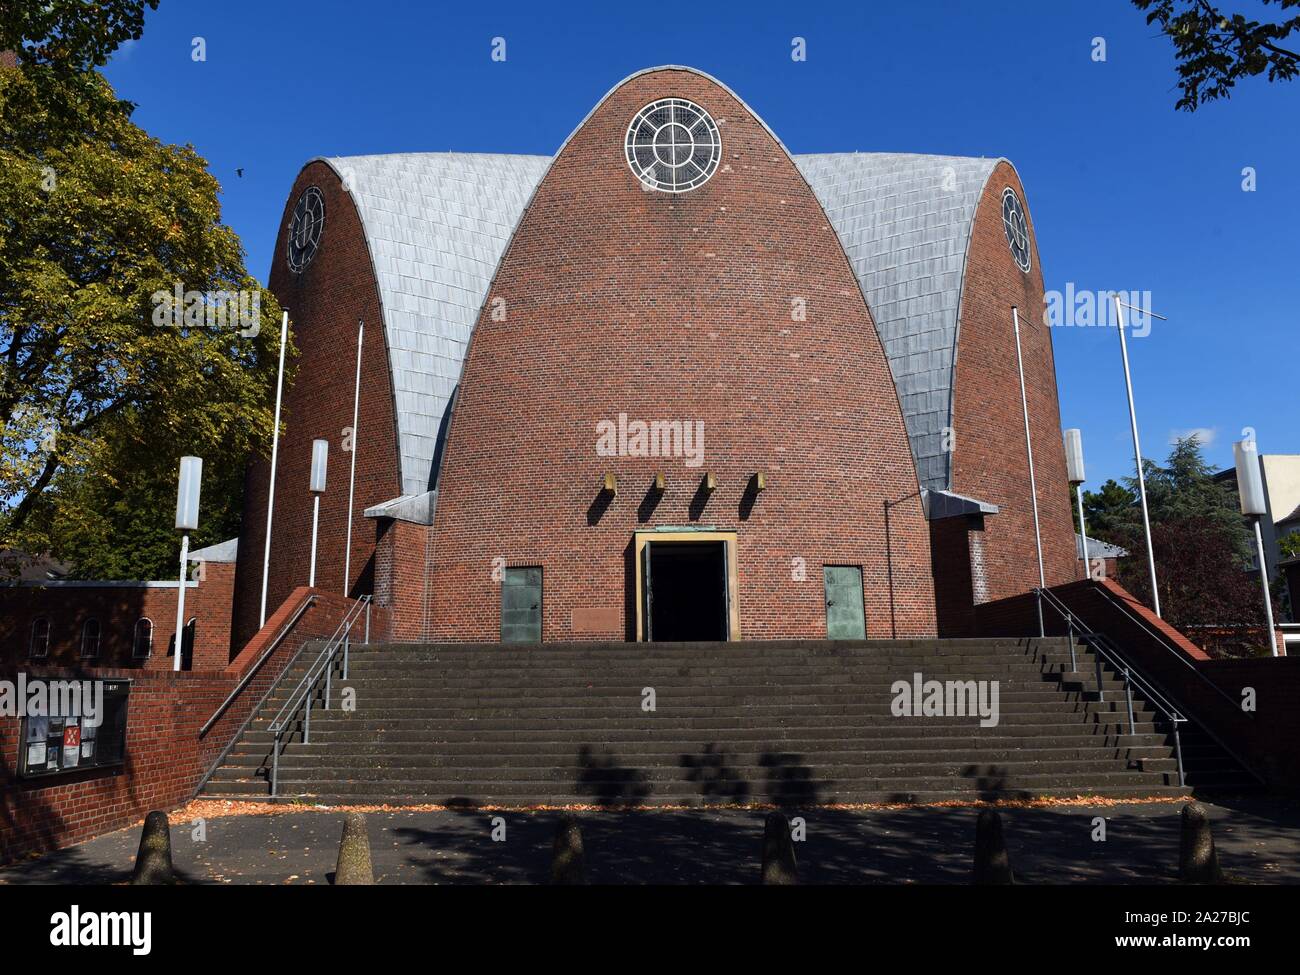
(1290, 544)
(1215, 49)
(1201, 542)
(1185, 489)
(1111, 513)
(102, 388)
(69, 36)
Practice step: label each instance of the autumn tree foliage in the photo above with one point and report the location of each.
(99, 396)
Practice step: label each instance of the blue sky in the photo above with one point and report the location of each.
(1125, 192)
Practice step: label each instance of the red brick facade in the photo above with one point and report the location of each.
(666, 307)
(677, 307)
(118, 607)
(989, 460)
(335, 291)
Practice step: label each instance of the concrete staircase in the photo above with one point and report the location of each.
(785, 722)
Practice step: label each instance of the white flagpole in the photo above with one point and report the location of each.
(180, 602)
(188, 486)
(1083, 532)
(1029, 453)
(1268, 597)
(275, 450)
(1137, 454)
(352, 478)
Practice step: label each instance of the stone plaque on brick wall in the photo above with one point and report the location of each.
(597, 619)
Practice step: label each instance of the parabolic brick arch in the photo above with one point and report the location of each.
(671, 383)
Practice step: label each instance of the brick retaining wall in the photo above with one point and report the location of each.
(165, 756)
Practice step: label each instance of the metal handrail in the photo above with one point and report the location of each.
(1151, 688)
(1105, 648)
(302, 695)
(307, 601)
(1174, 651)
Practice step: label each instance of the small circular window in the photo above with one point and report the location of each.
(1017, 228)
(305, 228)
(673, 145)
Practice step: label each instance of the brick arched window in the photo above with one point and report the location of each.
(90, 638)
(39, 646)
(142, 643)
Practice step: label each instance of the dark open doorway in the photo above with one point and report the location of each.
(687, 590)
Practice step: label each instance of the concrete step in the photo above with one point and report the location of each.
(399, 798)
(891, 735)
(668, 701)
(748, 715)
(672, 745)
(378, 692)
(894, 668)
(804, 719)
(637, 783)
(748, 768)
(609, 649)
(342, 753)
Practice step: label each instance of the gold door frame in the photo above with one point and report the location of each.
(729, 539)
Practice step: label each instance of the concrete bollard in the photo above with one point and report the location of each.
(569, 860)
(1198, 862)
(353, 866)
(992, 863)
(779, 864)
(153, 860)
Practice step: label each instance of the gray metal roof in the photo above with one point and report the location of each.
(437, 225)
(948, 504)
(226, 551)
(905, 222)
(1097, 549)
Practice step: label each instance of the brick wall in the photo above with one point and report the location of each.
(989, 461)
(118, 608)
(325, 302)
(954, 592)
(165, 755)
(677, 307)
(401, 584)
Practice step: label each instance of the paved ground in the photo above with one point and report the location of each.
(1258, 841)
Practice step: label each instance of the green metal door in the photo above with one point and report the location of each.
(845, 619)
(521, 605)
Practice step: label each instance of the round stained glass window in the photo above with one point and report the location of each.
(1017, 228)
(673, 145)
(305, 228)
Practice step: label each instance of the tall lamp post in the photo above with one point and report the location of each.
(320, 452)
(1029, 456)
(352, 477)
(187, 520)
(1074, 474)
(1250, 487)
(275, 454)
(1137, 455)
